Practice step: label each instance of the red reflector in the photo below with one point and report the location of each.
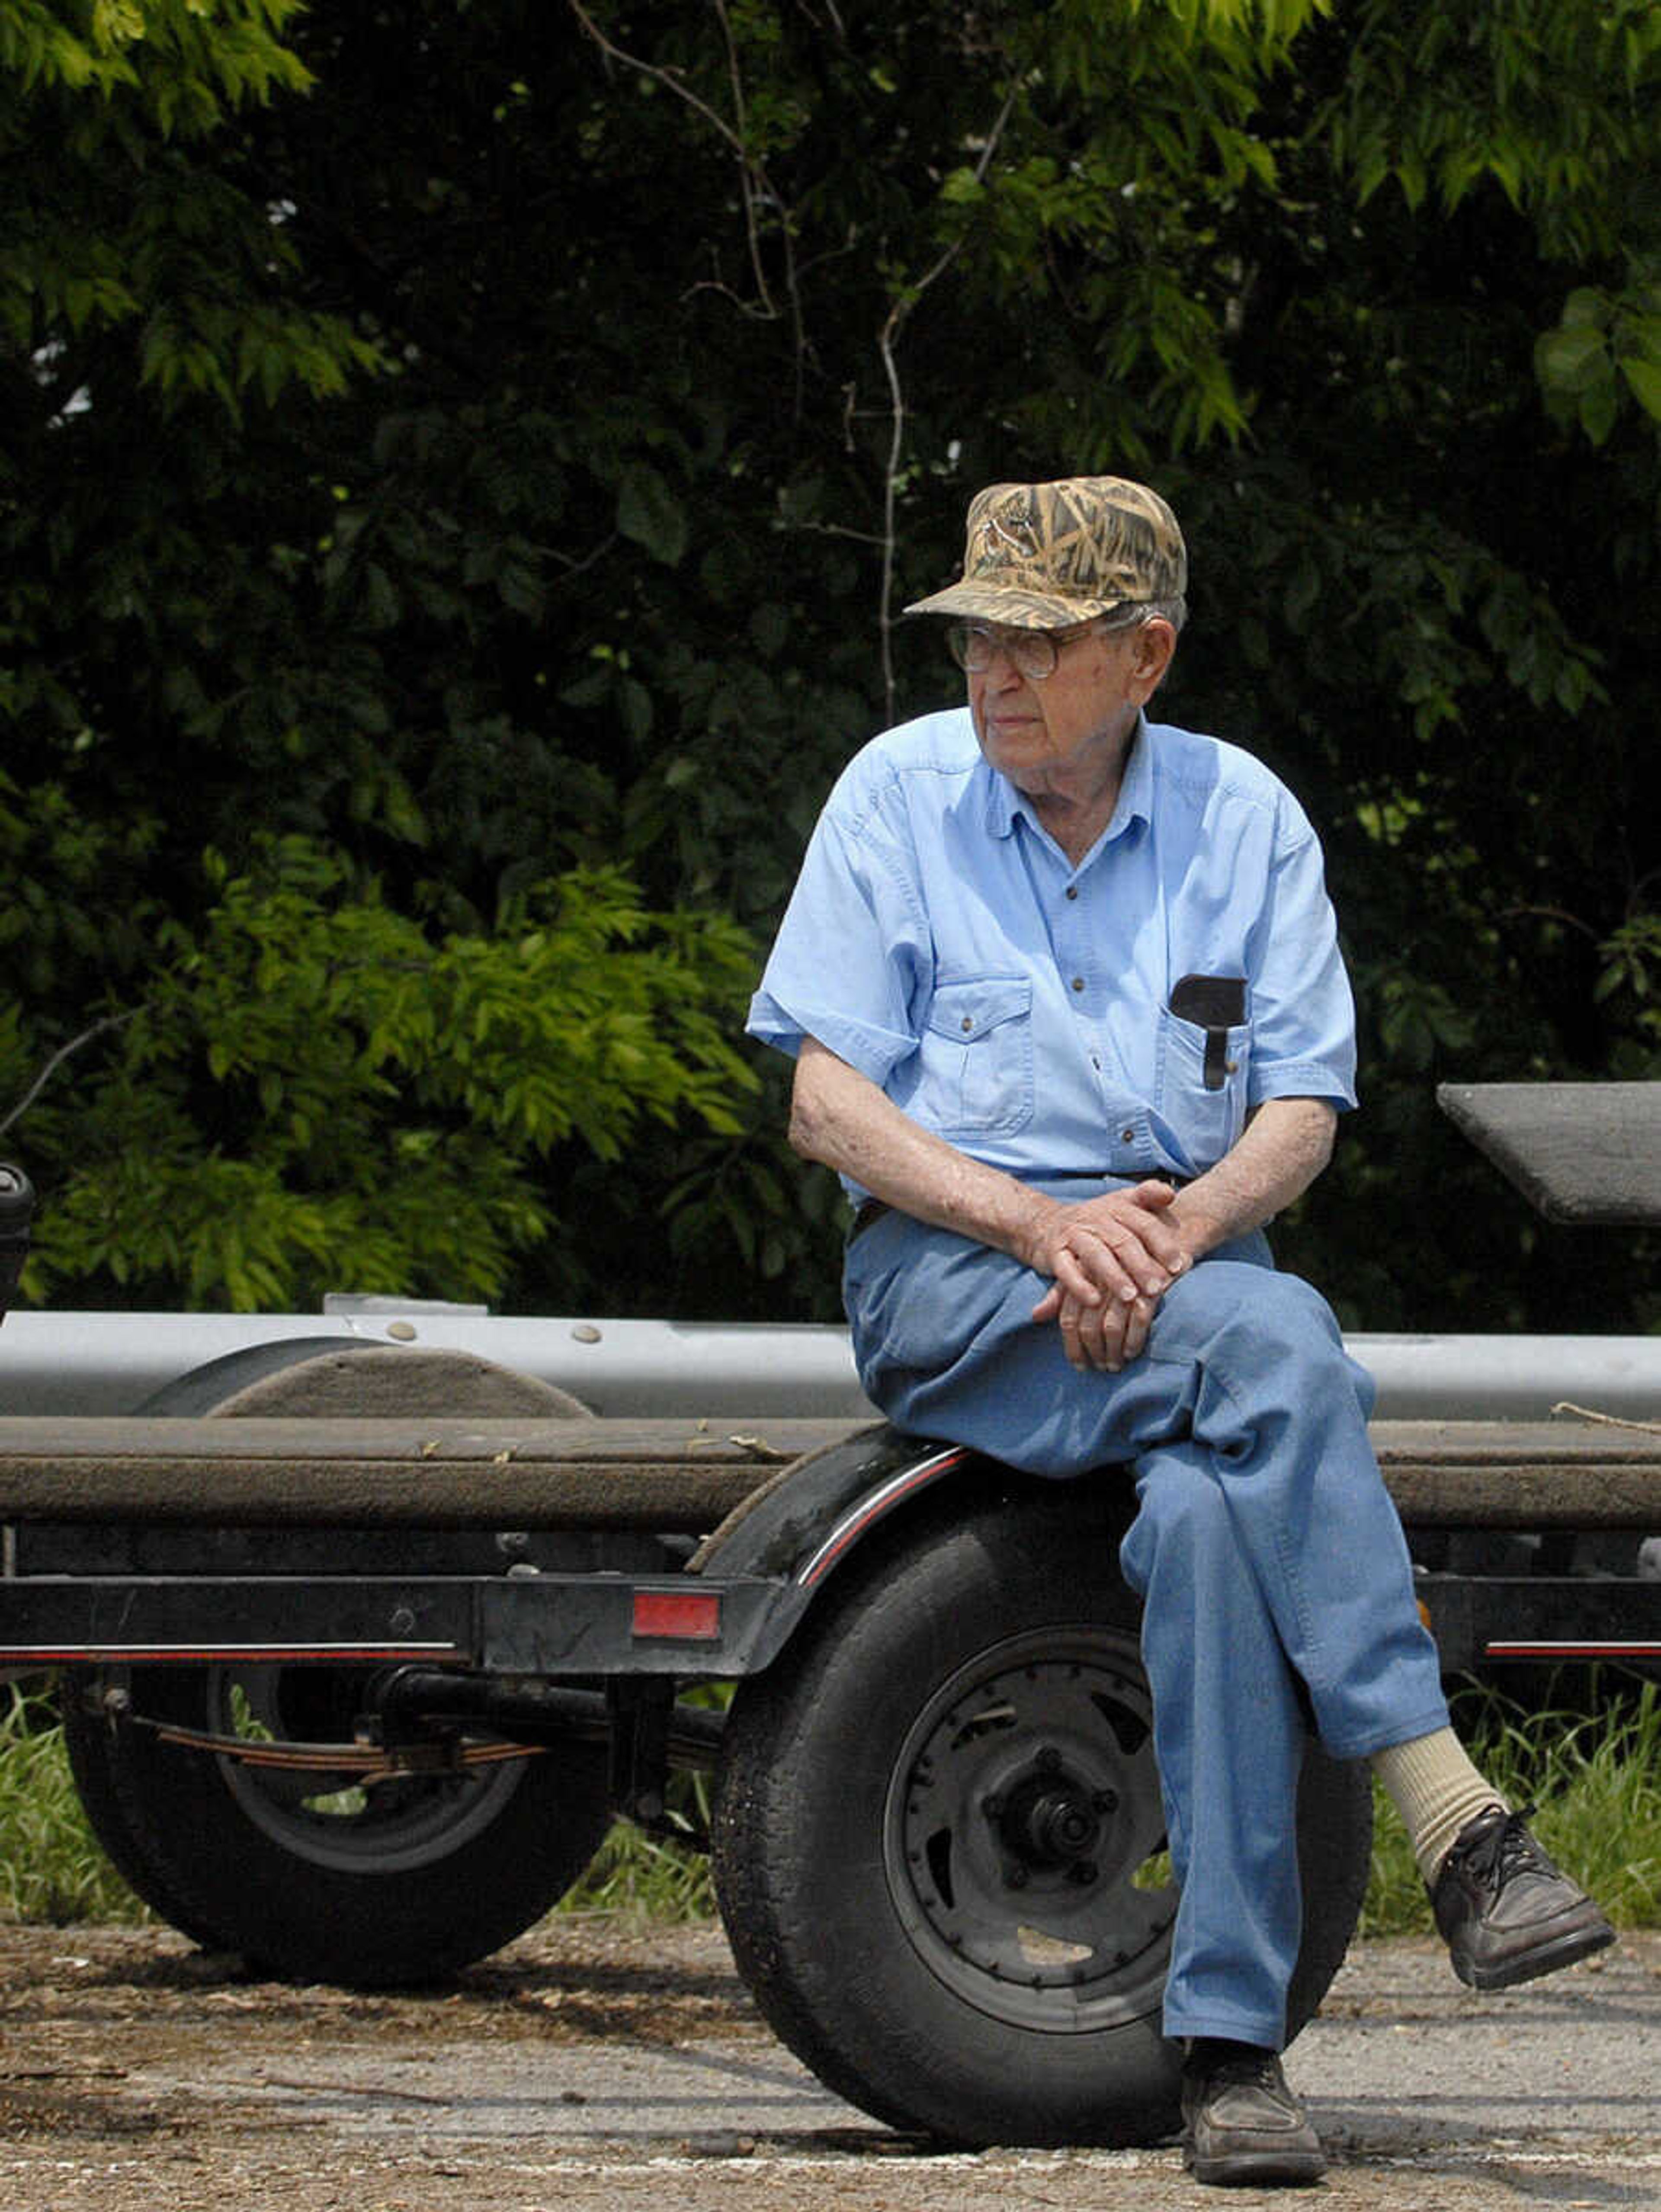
(694, 1616)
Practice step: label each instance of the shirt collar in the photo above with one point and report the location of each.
(1005, 805)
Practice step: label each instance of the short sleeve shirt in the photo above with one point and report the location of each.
(939, 941)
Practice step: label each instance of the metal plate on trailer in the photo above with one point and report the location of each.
(549, 1625)
(1582, 1152)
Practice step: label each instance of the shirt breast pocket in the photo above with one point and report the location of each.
(1200, 1086)
(976, 1077)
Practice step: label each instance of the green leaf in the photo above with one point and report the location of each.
(1571, 359)
(1586, 308)
(1644, 378)
(1599, 406)
(963, 188)
(650, 514)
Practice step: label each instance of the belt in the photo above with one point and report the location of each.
(870, 1210)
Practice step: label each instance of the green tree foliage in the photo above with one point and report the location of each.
(315, 1089)
(463, 449)
(110, 219)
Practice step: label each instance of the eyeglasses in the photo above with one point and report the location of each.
(1034, 652)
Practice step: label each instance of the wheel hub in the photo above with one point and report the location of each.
(1024, 1808)
(1049, 1820)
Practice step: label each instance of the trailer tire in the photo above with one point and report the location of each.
(308, 1877)
(971, 1706)
(87, 1740)
(424, 1873)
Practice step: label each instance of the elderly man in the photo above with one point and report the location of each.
(1070, 1021)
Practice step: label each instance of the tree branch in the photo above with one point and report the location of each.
(886, 345)
(1550, 914)
(755, 184)
(63, 1053)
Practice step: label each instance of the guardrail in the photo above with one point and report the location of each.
(114, 1364)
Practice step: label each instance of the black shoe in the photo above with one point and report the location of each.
(1506, 1912)
(1240, 2122)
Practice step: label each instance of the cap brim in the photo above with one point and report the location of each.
(1009, 603)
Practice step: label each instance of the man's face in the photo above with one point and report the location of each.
(1069, 731)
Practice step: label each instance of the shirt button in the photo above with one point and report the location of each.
(1078, 982)
(1126, 1136)
(967, 1023)
(1073, 890)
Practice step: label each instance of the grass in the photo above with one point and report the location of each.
(645, 1878)
(1595, 1773)
(52, 1871)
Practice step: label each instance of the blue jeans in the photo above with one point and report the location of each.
(1265, 1548)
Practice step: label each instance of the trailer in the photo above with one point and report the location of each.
(363, 1647)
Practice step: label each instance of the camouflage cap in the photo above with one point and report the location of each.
(1039, 556)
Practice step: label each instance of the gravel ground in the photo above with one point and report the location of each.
(590, 2064)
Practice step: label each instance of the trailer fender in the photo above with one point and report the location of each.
(798, 1530)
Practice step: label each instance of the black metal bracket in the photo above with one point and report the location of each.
(640, 1712)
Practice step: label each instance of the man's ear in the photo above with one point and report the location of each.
(1155, 646)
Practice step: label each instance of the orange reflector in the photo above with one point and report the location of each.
(692, 1616)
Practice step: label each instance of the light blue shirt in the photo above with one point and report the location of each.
(939, 941)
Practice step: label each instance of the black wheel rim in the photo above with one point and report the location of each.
(1022, 1818)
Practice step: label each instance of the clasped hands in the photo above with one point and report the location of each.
(1112, 1259)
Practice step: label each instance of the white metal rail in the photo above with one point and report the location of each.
(114, 1362)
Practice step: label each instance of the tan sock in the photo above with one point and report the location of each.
(1436, 1789)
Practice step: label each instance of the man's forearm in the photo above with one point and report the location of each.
(841, 1119)
(1286, 1144)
